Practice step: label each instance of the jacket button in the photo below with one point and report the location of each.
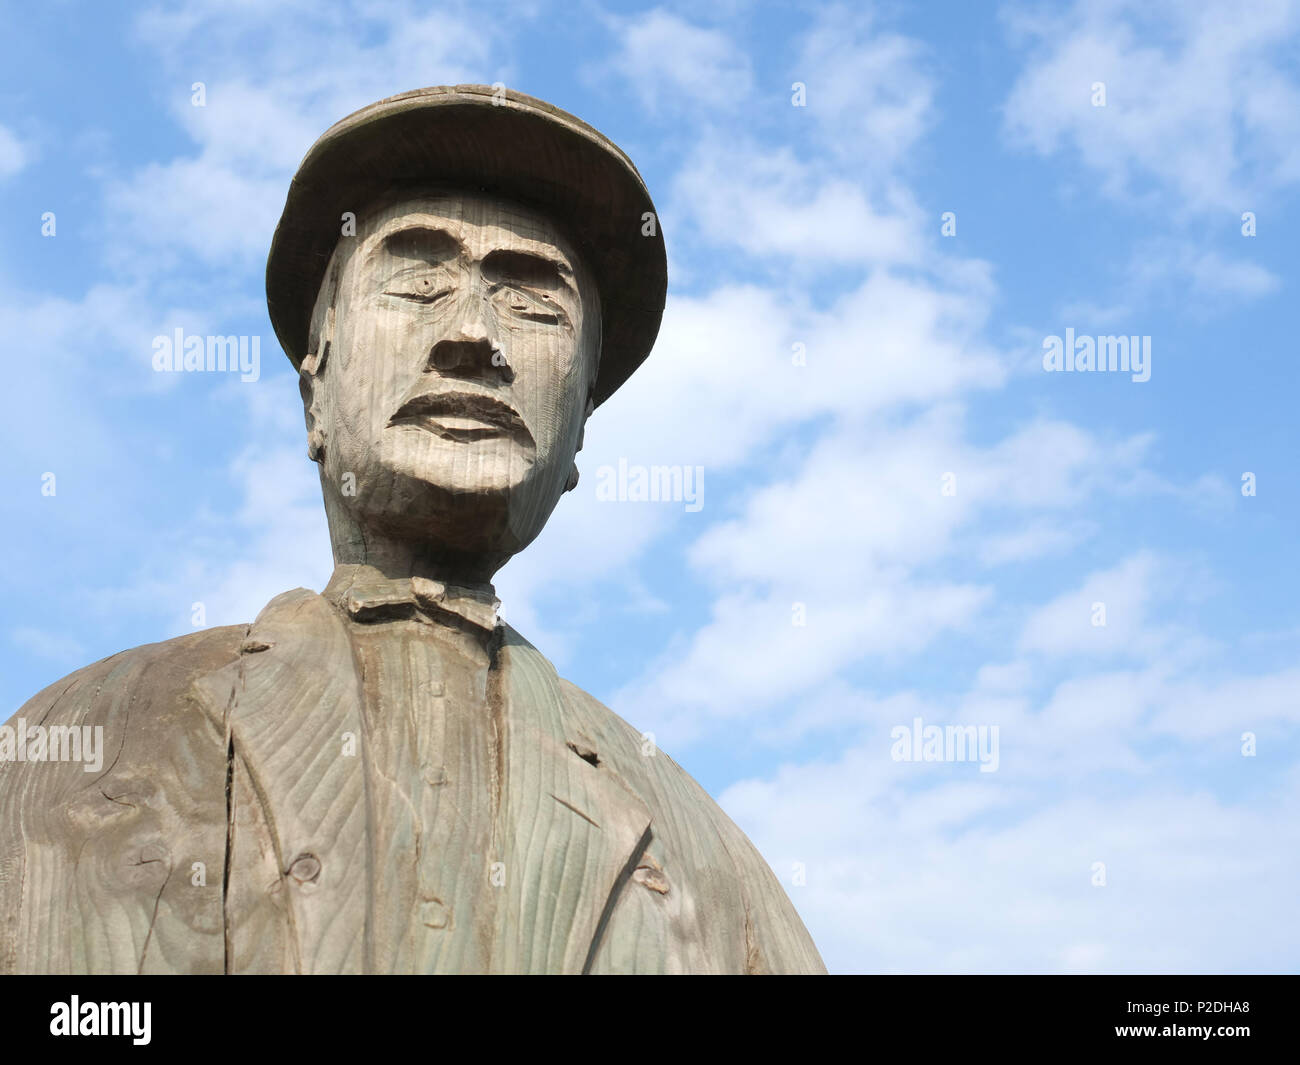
(433, 914)
(305, 869)
(652, 877)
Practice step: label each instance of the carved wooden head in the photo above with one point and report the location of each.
(455, 342)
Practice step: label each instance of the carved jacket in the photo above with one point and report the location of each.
(382, 778)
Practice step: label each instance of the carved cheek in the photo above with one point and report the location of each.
(346, 412)
(364, 367)
(546, 377)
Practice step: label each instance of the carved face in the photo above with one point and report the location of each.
(457, 341)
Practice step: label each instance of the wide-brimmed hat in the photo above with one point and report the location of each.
(486, 140)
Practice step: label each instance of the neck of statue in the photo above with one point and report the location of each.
(399, 557)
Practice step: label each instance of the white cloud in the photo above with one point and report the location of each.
(1194, 710)
(723, 384)
(1003, 677)
(55, 646)
(965, 876)
(280, 83)
(853, 535)
(937, 867)
(868, 88)
(754, 650)
(234, 563)
(14, 154)
(1172, 273)
(1040, 537)
(1106, 616)
(670, 61)
(771, 203)
(69, 360)
(1198, 98)
(1176, 271)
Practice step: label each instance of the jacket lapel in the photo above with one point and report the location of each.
(300, 874)
(570, 833)
(566, 834)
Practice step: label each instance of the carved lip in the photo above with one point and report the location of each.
(462, 415)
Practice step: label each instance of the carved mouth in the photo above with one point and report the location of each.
(462, 416)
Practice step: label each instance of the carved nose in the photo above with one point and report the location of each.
(471, 354)
(450, 356)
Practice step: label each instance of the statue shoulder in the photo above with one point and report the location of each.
(67, 735)
(636, 757)
(166, 667)
(110, 779)
(153, 676)
(693, 830)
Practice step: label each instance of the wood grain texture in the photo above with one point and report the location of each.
(96, 868)
(384, 779)
(525, 832)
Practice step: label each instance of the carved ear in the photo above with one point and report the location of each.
(309, 373)
(582, 432)
(315, 422)
(572, 482)
(313, 362)
(313, 365)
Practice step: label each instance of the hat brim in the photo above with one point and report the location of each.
(518, 147)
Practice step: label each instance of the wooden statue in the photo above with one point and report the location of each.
(385, 778)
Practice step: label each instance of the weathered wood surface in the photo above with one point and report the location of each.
(383, 779)
(378, 861)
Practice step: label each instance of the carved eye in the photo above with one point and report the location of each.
(531, 306)
(419, 289)
(532, 310)
(526, 282)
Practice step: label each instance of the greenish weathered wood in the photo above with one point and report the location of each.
(95, 875)
(384, 778)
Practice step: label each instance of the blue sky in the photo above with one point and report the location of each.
(824, 483)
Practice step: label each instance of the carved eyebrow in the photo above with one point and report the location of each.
(422, 242)
(529, 267)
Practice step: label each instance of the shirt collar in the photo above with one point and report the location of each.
(366, 595)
